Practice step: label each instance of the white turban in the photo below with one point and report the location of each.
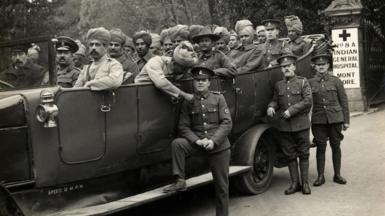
(184, 54)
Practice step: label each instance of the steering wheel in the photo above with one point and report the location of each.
(5, 85)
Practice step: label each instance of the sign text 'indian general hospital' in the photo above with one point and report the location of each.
(346, 56)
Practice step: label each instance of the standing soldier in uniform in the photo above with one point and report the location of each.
(116, 51)
(292, 101)
(273, 47)
(66, 72)
(103, 72)
(204, 125)
(297, 45)
(330, 116)
(213, 59)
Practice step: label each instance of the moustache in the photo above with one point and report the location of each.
(93, 52)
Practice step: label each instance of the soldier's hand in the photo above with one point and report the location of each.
(286, 114)
(187, 96)
(200, 142)
(270, 111)
(209, 145)
(345, 126)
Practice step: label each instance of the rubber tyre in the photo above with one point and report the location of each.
(259, 179)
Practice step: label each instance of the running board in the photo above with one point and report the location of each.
(146, 197)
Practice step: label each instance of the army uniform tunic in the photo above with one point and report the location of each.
(248, 58)
(206, 116)
(130, 68)
(143, 61)
(67, 78)
(298, 46)
(295, 96)
(330, 111)
(26, 76)
(218, 62)
(106, 73)
(274, 50)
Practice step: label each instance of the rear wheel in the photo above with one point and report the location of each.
(258, 180)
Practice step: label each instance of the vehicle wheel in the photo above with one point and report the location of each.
(259, 179)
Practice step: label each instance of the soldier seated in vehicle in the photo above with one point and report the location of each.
(249, 56)
(204, 125)
(292, 100)
(213, 59)
(297, 45)
(104, 72)
(273, 47)
(66, 72)
(23, 73)
(116, 51)
(159, 68)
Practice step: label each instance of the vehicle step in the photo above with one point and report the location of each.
(146, 197)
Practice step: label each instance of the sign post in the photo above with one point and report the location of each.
(348, 56)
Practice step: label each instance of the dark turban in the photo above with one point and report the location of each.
(145, 36)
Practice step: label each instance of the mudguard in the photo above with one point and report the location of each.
(244, 147)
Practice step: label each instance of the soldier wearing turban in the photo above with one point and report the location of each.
(79, 57)
(297, 45)
(162, 68)
(249, 56)
(261, 34)
(129, 48)
(224, 39)
(179, 33)
(156, 47)
(116, 51)
(166, 43)
(143, 41)
(104, 72)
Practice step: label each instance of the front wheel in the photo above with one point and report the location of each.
(258, 180)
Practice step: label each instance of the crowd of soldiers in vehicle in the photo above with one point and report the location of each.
(205, 120)
(226, 52)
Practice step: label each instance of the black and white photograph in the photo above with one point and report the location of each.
(192, 108)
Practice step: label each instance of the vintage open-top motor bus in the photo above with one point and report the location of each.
(73, 151)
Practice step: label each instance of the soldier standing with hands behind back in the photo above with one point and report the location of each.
(292, 101)
(330, 116)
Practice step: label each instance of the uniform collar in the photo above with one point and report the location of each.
(324, 77)
(204, 95)
(291, 79)
(69, 68)
(248, 47)
(203, 54)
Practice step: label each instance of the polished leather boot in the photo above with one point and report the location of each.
(320, 169)
(337, 166)
(294, 175)
(304, 167)
(319, 181)
(339, 179)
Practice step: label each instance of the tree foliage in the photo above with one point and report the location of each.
(25, 18)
